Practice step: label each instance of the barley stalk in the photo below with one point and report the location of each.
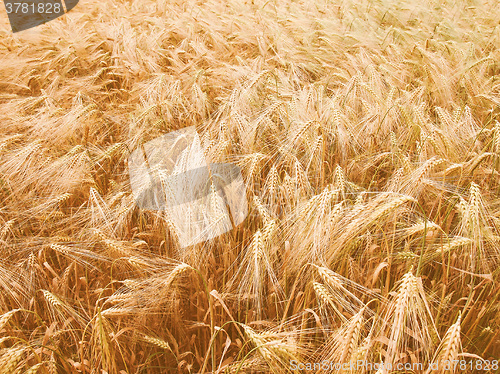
(176, 272)
(323, 295)
(158, 342)
(10, 359)
(451, 344)
(4, 318)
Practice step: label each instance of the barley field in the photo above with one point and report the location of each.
(368, 135)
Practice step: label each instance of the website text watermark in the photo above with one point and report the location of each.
(329, 366)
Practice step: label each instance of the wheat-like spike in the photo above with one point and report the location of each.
(116, 198)
(444, 138)
(101, 335)
(124, 211)
(262, 210)
(241, 123)
(222, 147)
(335, 214)
(87, 110)
(116, 311)
(359, 202)
(325, 199)
(215, 206)
(368, 89)
(406, 292)
(394, 142)
(426, 167)
(116, 248)
(310, 98)
(233, 105)
(167, 190)
(496, 142)
(52, 299)
(7, 228)
(177, 271)
(457, 113)
(309, 209)
(406, 161)
(99, 234)
(10, 359)
(158, 342)
(268, 230)
(61, 248)
(200, 101)
(4, 318)
(475, 197)
(64, 281)
(455, 243)
(171, 225)
(300, 177)
(119, 298)
(314, 111)
(34, 368)
(32, 260)
(52, 365)
(329, 277)
(453, 167)
(315, 151)
(340, 179)
(406, 255)
(390, 98)
(477, 160)
(272, 181)
(421, 226)
(138, 262)
(389, 206)
(409, 311)
(251, 83)
(337, 122)
(451, 344)
(323, 295)
(62, 238)
(471, 213)
(360, 353)
(60, 199)
(258, 248)
(254, 337)
(132, 284)
(462, 207)
(301, 131)
(282, 349)
(257, 340)
(445, 117)
(224, 130)
(288, 187)
(255, 159)
(246, 366)
(432, 139)
(404, 113)
(351, 337)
